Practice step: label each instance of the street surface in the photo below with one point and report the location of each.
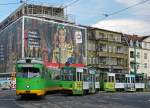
(8, 99)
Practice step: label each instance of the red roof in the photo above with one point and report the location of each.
(135, 37)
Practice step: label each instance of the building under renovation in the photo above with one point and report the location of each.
(46, 12)
(41, 32)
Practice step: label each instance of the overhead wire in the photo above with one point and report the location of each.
(124, 9)
(75, 1)
(10, 3)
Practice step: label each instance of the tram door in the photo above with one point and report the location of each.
(79, 79)
(97, 83)
(110, 84)
(103, 79)
(130, 82)
(92, 81)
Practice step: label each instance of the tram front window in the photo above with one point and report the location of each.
(28, 72)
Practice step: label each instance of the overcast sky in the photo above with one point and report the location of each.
(135, 20)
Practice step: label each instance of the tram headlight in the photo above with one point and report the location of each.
(28, 86)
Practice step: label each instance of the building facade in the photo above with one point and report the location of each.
(145, 56)
(107, 51)
(139, 52)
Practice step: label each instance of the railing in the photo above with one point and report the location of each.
(65, 18)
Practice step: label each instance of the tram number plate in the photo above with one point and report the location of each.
(27, 91)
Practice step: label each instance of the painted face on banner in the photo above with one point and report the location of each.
(62, 36)
(78, 36)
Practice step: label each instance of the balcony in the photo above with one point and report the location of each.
(110, 54)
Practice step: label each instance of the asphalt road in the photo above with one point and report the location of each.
(8, 99)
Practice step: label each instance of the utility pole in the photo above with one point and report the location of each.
(135, 64)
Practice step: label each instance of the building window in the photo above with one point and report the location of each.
(145, 65)
(145, 55)
(93, 61)
(90, 60)
(102, 47)
(138, 54)
(131, 43)
(97, 60)
(131, 54)
(110, 37)
(138, 66)
(137, 43)
(110, 49)
(101, 35)
(145, 45)
(148, 45)
(132, 65)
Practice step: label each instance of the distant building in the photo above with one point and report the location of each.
(139, 52)
(107, 51)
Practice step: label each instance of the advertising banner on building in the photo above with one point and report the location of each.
(10, 46)
(56, 43)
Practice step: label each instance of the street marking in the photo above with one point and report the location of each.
(7, 99)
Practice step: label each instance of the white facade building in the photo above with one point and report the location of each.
(145, 56)
(139, 54)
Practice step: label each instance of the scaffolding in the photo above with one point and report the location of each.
(42, 11)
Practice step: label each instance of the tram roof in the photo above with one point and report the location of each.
(32, 60)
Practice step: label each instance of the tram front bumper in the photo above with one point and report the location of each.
(28, 92)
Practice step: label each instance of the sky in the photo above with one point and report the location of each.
(134, 20)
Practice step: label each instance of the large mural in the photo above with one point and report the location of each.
(55, 43)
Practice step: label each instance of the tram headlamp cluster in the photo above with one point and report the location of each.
(28, 86)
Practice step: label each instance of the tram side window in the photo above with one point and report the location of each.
(86, 77)
(139, 79)
(132, 80)
(127, 79)
(68, 75)
(55, 75)
(120, 78)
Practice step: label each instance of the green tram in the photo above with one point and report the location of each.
(107, 82)
(52, 76)
(139, 82)
(79, 80)
(33, 77)
(121, 82)
(30, 77)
